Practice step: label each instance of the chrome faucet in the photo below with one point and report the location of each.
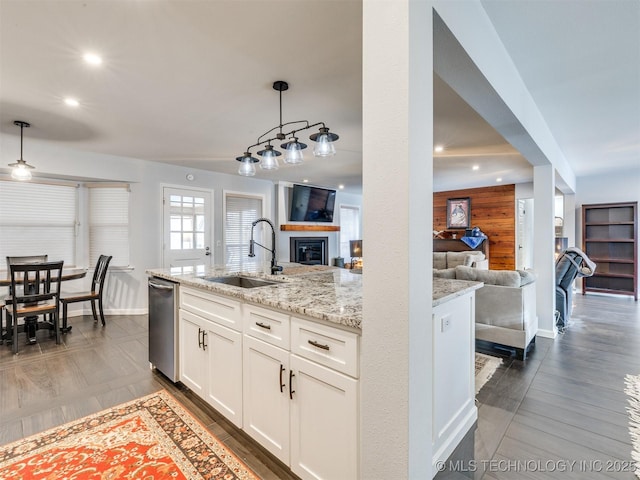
(275, 268)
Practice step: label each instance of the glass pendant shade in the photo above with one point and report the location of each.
(293, 154)
(247, 167)
(324, 143)
(269, 158)
(21, 170)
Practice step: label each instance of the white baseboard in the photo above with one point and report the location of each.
(547, 333)
(114, 311)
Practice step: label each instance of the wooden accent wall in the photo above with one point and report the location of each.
(493, 209)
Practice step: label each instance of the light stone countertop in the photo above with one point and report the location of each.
(326, 293)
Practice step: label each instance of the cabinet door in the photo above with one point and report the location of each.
(224, 347)
(324, 422)
(266, 396)
(193, 358)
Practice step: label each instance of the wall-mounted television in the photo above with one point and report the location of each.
(311, 204)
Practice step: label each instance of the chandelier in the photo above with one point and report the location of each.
(292, 147)
(21, 170)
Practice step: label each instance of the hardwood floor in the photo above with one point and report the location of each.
(565, 403)
(95, 368)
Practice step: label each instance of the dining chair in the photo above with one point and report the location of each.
(95, 295)
(7, 299)
(35, 291)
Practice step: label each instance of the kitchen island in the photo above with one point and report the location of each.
(282, 361)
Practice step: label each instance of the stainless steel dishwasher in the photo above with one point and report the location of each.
(163, 326)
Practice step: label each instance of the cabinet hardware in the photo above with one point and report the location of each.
(281, 384)
(263, 325)
(291, 390)
(204, 345)
(200, 338)
(318, 345)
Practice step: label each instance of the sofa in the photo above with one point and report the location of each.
(445, 260)
(505, 306)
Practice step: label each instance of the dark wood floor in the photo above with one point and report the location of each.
(565, 403)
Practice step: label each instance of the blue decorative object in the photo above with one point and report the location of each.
(473, 242)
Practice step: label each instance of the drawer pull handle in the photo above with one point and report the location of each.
(263, 325)
(291, 390)
(281, 372)
(318, 345)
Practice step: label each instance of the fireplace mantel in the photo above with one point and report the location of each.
(309, 228)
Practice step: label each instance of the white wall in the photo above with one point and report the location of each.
(127, 291)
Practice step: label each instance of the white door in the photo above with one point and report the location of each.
(193, 358)
(524, 234)
(324, 422)
(187, 225)
(225, 372)
(266, 396)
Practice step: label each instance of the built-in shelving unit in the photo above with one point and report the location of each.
(610, 239)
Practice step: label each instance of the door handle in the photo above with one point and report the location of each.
(200, 332)
(281, 372)
(204, 345)
(207, 251)
(291, 390)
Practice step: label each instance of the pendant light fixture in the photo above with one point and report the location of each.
(21, 170)
(293, 148)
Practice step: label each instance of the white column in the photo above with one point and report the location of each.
(396, 377)
(569, 215)
(543, 248)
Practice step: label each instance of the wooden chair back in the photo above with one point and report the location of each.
(35, 283)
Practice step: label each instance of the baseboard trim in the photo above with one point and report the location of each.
(547, 333)
(115, 311)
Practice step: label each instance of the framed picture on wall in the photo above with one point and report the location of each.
(458, 212)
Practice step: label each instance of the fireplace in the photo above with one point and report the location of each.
(309, 250)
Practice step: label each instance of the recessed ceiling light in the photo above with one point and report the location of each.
(499, 179)
(306, 180)
(92, 58)
(475, 167)
(341, 187)
(438, 148)
(72, 102)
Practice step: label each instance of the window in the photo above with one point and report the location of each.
(240, 212)
(349, 228)
(38, 218)
(109, 223)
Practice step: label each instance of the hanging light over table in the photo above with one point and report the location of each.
(21, 170)
(293, 148)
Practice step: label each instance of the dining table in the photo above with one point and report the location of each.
(68, 273)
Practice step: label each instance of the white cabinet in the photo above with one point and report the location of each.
(266, 396)
(193, 358)
(211, 352)
(324, 422)
(295, 406)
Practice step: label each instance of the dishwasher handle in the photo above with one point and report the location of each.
(159, 287)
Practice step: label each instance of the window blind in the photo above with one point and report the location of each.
(240, 212)
(109, 223)
(349, 228)
(37, 219)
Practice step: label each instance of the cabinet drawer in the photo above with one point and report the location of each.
(267, 325)
(221, 310)
(325, 345)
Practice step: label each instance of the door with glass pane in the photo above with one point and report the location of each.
(187, 229)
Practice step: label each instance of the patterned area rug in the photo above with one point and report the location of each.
(152, 437)
(486, 366)
(632, 389)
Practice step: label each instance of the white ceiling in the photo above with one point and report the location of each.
(189, 82)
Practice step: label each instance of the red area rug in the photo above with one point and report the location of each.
(150, 438)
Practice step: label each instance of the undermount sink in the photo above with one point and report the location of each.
(242, 282)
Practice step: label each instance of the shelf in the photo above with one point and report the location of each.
(589, 224)
(610, 238)
(309, 228)
(612, 260)
(614, 275)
